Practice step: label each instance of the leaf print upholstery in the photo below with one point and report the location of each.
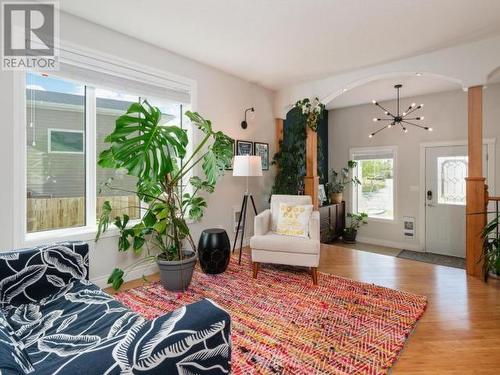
(30, 275)
(57, 322)
(25, 314)
(65, 345)
(65, 260)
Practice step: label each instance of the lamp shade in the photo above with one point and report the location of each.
(247, 166)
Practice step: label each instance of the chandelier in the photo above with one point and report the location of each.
(401, 118)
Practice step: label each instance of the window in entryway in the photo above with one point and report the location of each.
(376, 171)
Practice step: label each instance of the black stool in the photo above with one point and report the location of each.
(214, 250)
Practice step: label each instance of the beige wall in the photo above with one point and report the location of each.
(220, 97)
(446, 112)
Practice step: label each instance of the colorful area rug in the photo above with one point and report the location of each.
(282, 324)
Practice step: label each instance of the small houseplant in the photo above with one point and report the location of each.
(491, 249)
(339, 180)
(157, 155)
(313, 110)
(354, 223)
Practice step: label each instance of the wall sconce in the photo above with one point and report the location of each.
(244, 124)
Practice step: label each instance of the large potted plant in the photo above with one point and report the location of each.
(354, 222)
(491, 249)
(157, 155)
(339, 180)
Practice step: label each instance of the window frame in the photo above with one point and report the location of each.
(49, 141)
(91, 60)
(354, 196)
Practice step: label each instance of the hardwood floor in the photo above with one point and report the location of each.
(460, 331)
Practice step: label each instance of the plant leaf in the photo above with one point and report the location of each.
(116, 278)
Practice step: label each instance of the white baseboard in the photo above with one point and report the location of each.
(148, 269)
(246, 242)
(394, 244)
(136, 273)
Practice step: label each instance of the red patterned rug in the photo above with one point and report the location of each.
(282, 324)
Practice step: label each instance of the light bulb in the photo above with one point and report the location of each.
(405, 130)
(375, 119)
(389, 126)
(344, 90)
(419, 74)
(404, 113)
(413, 105)
(370, 136)
(374, 101)
(421, 117)
(429, 129)
(421, 105)
(386, 112)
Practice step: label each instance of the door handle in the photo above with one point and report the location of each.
(431, 205)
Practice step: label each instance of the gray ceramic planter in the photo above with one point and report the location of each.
(176, 275)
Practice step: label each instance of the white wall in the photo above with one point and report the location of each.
(454, 63)
(221, 98)
(445, 112)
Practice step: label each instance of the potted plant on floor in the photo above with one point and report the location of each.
(354, 223)
(491, 249)
(157, 155)
(339, 180)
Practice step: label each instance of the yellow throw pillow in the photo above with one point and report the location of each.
(294, 220)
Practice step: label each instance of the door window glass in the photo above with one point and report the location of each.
(452, 171)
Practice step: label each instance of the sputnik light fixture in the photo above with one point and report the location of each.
(401, 119)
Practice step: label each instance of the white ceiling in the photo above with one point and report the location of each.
(281, 42)
(383, 89)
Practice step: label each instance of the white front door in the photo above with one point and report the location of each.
(445, 172)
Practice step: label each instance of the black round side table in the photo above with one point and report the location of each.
(214, 250)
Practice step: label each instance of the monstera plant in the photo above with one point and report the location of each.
(156, 154)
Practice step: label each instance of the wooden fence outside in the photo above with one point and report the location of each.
(57, 213)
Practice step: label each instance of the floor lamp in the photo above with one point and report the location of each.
(245, 166)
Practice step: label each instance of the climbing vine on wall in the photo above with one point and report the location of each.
(291, 158)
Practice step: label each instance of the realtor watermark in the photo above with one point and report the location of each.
(30, 35)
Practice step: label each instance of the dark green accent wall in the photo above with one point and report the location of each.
(323, 149)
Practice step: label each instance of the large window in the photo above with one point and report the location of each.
(67, 122)
(55, 128)
(376, 171)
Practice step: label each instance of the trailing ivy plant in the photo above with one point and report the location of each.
(312, 110)
(157, 155)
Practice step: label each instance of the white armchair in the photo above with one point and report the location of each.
(269, 247)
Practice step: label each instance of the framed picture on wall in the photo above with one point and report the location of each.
(262, 150)
(244, 148)
(229, 166)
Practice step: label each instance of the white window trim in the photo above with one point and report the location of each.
(100, 62)
(378, 149)
(49, 140)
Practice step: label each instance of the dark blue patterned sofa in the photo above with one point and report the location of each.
(54, 321)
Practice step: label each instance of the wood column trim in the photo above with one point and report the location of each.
(475, 184)
(311, 181)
